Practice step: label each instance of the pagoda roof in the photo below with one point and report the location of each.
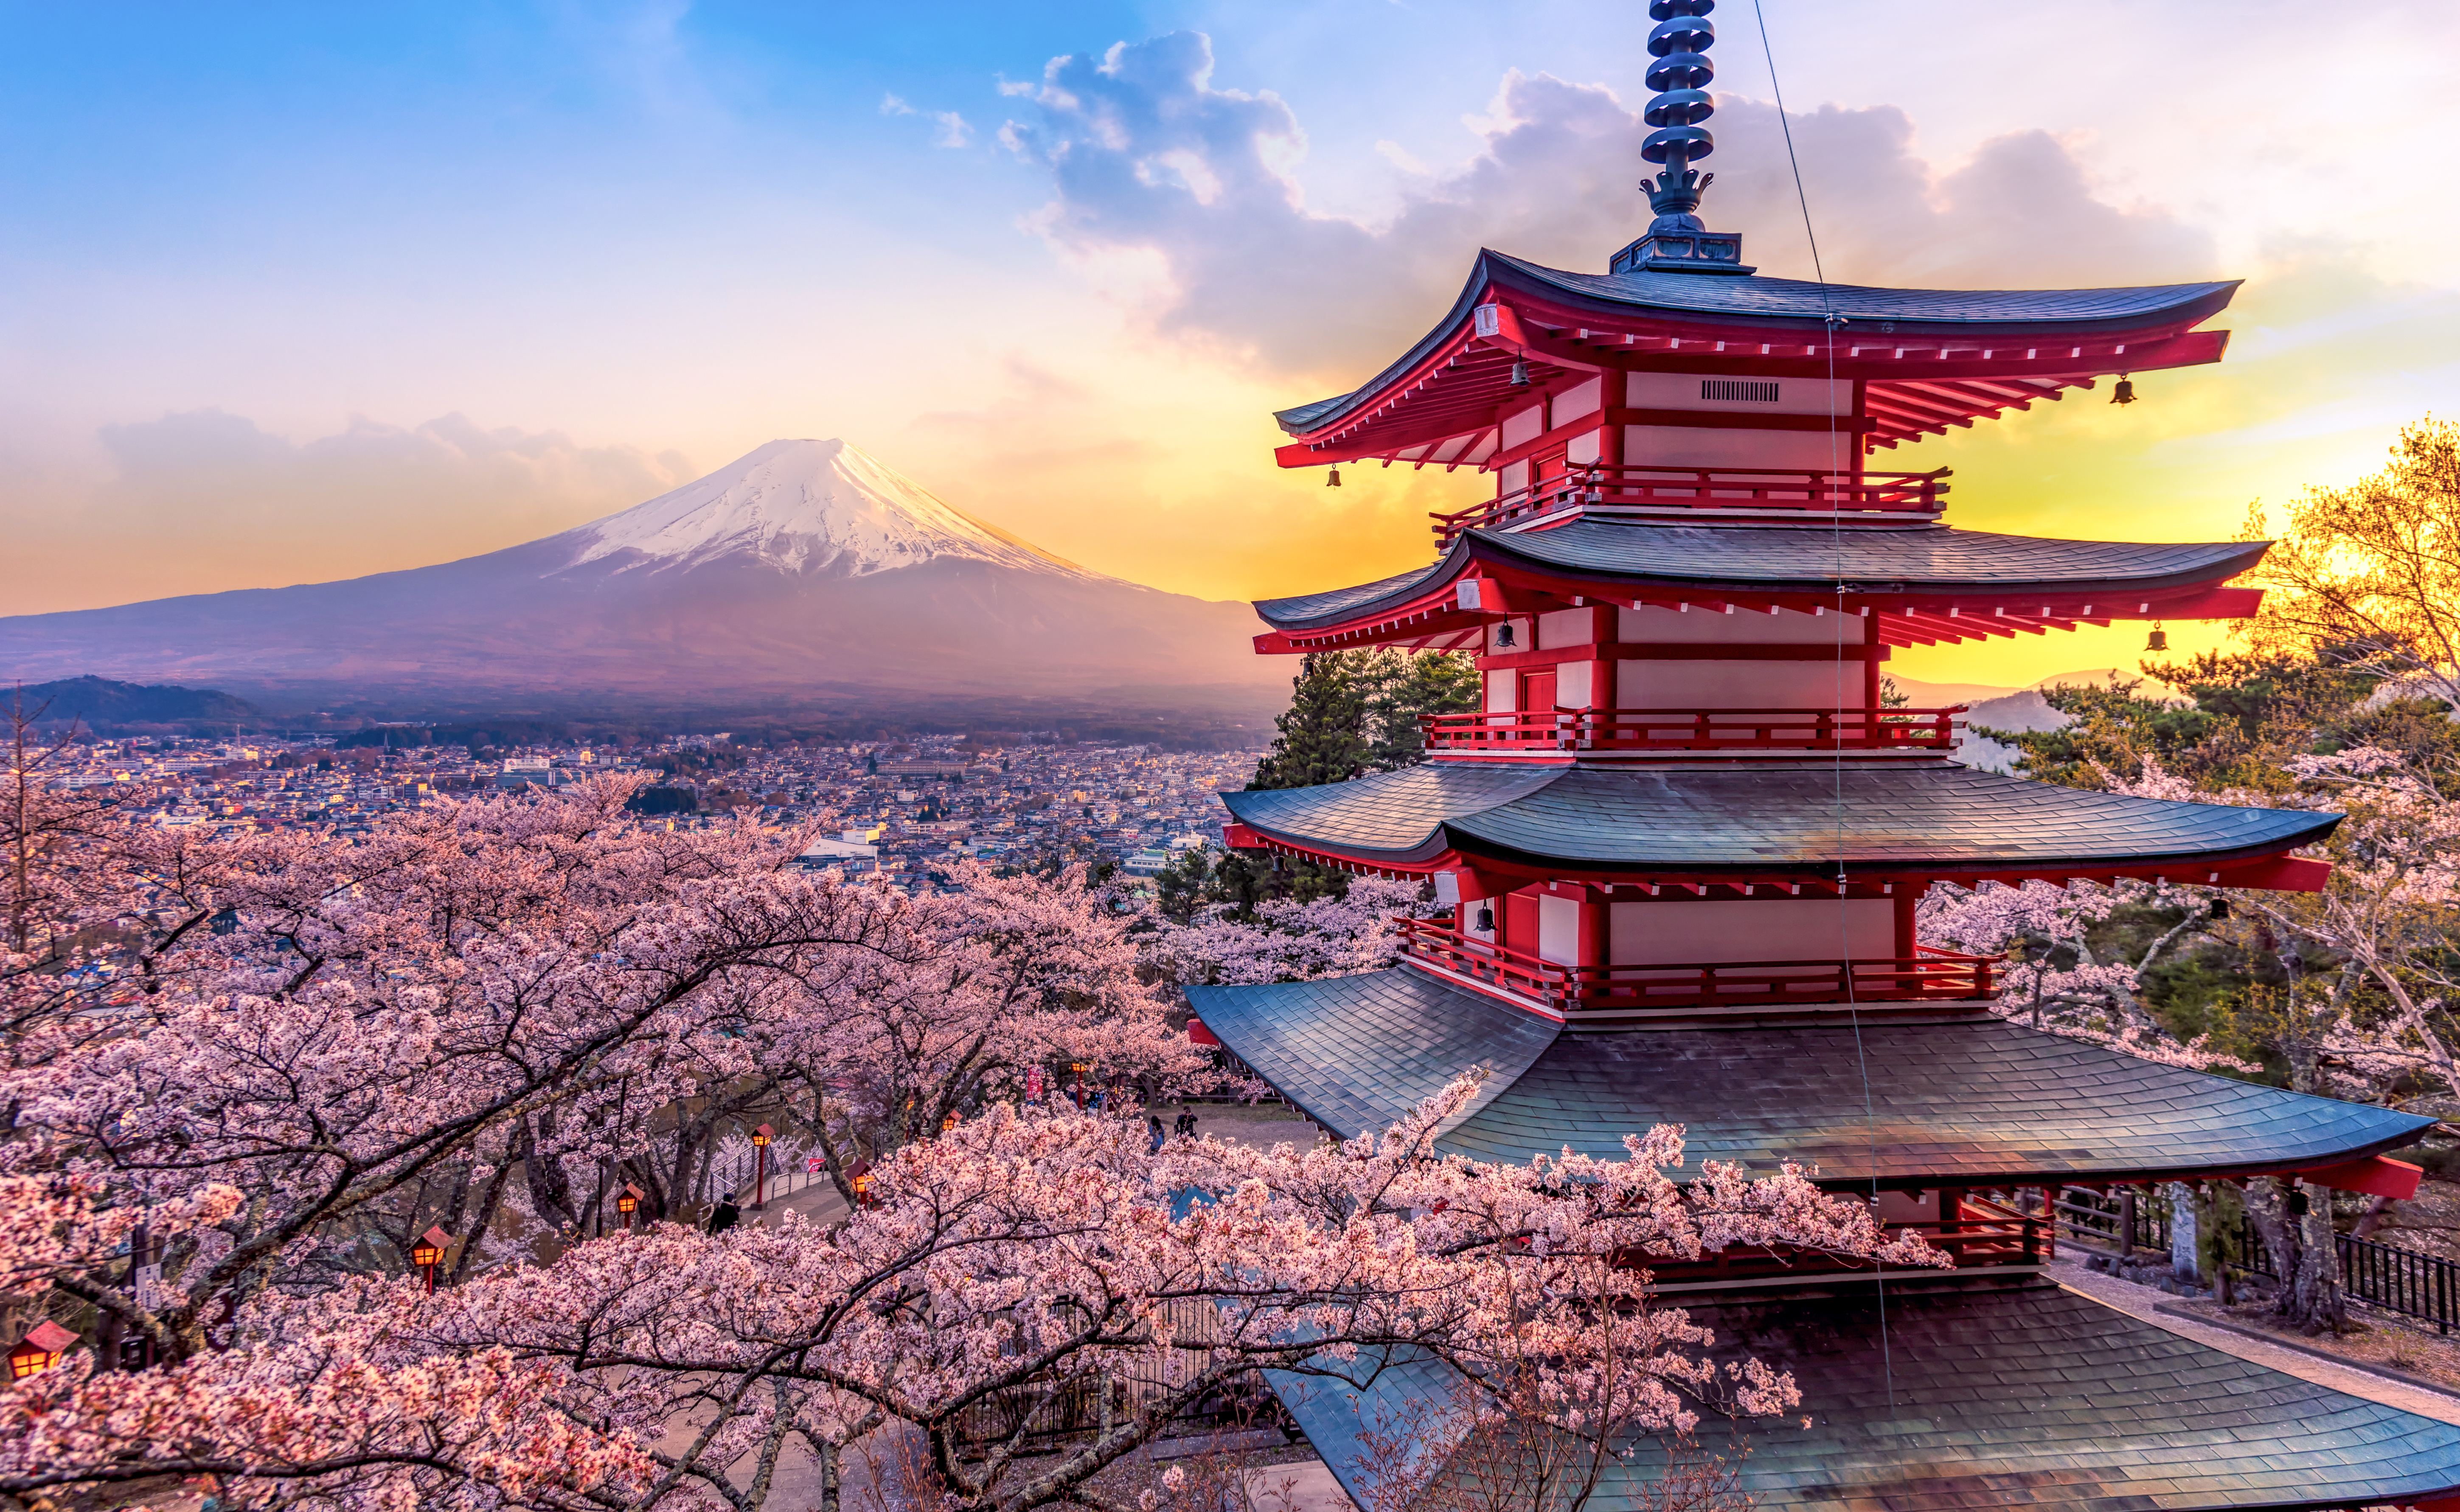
(1933, 357)
(1932, 1398)
(1918, 579)
(1960, 1101)
(1899, 816)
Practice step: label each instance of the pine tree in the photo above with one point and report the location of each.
(1323, 734)
(1405, 687)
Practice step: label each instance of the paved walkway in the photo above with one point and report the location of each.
(2139, 1302)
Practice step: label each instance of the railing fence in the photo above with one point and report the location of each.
(2381, 1275)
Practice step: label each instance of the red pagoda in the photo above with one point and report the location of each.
(1682, 842)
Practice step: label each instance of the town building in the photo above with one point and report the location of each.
(1682, 842)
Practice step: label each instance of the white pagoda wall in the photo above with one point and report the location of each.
(1732, 930)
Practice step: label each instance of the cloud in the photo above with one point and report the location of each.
(1145, 155)
(891, 105)
(953, 130)
(206, 501)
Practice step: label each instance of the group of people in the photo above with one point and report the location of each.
(1183, 1126)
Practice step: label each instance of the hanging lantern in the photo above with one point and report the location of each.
(1519, 372)
(2125, 392)
(1332, 479)
(39, 1350)
(2157, 641)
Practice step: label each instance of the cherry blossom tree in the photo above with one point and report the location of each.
(479, 1015)
(1024, 1258)
(2052, 977)
(1287, 941)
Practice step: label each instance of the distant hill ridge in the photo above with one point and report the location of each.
(99, 700)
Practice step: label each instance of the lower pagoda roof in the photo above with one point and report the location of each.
(1925, 565)
(1924, 816)
(1969, 1100)
(1931, 1399)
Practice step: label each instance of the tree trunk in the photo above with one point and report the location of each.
(488, 1204)
(2304, 1254)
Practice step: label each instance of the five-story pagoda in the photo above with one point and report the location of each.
(1682, 842)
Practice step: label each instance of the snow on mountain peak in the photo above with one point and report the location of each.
(805, 507)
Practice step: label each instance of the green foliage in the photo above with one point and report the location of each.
(1354, 712)
(2232, 720)
(1404, 688)
(1323, 734)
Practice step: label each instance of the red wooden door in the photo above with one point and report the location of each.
(1520, 923)
(1538, 692)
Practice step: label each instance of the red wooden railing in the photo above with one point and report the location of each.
(1928, 976)
(1693, 729)
(1983, 1234)
(1637, 486)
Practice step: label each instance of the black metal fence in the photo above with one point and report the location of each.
(2381, 1275)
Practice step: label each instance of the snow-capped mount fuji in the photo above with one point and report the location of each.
(804, 507)
(803, 569)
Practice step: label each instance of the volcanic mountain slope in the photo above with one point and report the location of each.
(804, 567)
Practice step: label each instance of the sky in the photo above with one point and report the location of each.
(298, 292)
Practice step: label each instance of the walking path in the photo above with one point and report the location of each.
(2140, 1302)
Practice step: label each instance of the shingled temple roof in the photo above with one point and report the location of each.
(1925, 359)
(1912, 817)
(1973, 1101)
(1768, 307)
(2018, 1396)
(1927, 561)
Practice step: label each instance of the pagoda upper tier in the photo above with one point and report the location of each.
(1917, 584)
(1889, 365)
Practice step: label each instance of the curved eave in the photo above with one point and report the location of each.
(2035, 584)
(1899, 819)
(1957, 355)
(1973, 1102)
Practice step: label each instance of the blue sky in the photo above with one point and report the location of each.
(294, 291)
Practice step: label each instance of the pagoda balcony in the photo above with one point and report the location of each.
(1641, 489)
(1928, 975)
(1627, 730)
(1983, 1233)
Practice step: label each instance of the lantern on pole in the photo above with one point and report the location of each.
(861, 1182)
(427, 1252)
(628, 1202)
(760, 1137)
(39, 1350)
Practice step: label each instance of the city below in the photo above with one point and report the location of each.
(895, 814)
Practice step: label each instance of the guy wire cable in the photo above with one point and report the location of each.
(1830, 321)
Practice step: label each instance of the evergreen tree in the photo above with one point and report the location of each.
(1323, 734)
(1404, 688)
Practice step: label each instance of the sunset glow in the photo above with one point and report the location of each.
(298, 294)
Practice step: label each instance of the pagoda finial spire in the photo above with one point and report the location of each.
(1679, 71)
